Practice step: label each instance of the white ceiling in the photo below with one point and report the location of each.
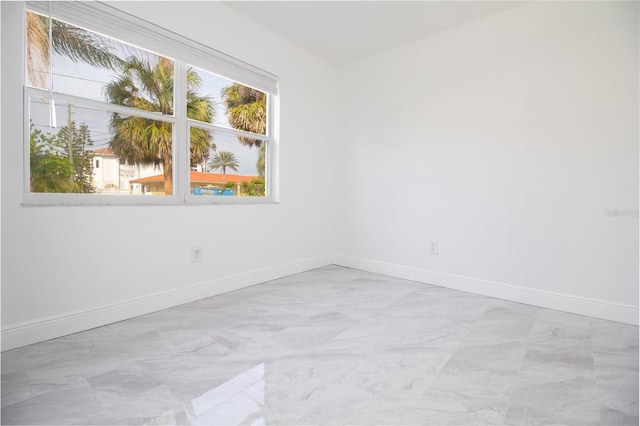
(342, 31)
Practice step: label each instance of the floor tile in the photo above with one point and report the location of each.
(570, 402)
(71, 406)
(332, 346)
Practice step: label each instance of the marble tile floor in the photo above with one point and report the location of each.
(332, 346)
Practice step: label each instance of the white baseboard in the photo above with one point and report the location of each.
(562, 302)
(26, 333)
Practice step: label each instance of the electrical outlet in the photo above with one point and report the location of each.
(196, 254)
(433, 247)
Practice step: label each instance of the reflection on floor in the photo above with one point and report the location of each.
(332, 346)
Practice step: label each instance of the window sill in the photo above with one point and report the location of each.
(79, 200)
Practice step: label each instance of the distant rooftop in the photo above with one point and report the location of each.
(202, 178)
(104, 151)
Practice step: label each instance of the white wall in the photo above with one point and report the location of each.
(68, 268)
(505, 140)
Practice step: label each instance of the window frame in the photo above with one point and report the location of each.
(111, 22)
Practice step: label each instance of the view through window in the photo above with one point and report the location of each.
(103, 119)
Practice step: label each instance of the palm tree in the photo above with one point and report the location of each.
(77, 44)
(149, 86)
(246, 110)
(223, 160)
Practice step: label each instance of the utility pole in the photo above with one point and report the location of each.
(70, 140)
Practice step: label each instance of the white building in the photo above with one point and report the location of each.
(113, 175)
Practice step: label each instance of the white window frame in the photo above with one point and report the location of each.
(111, 22)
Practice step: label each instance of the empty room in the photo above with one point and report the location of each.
(319, 212)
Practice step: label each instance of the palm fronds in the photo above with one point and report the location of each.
(75, 43)
(246, 110)
(224, 160)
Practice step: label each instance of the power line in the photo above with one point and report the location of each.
(81, 78)
(69, 76)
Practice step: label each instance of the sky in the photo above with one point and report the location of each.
(84, 80)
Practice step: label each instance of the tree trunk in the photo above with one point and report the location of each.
(168, 177)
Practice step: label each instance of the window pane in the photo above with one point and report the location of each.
(231, 168)
(104, 153)
(97, 67)
(233, 105)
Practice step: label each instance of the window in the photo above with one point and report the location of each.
(147, 114)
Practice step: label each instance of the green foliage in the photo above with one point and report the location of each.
(255, 188)
(50, 171)
(224, 160)
(246, 110)
(58, 167)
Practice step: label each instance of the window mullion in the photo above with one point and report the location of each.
(181, 146)
(105, 106)
(227, 130)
